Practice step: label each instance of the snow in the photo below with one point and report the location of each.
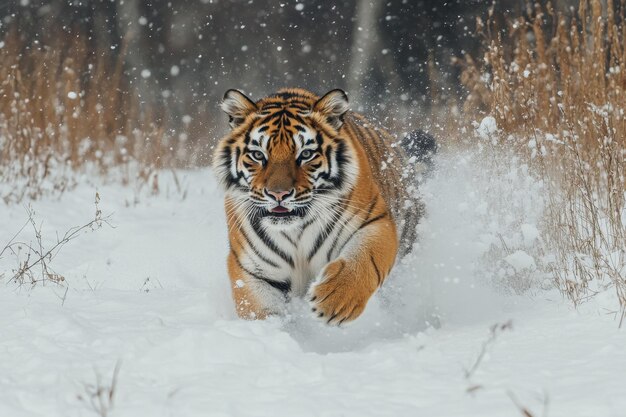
(151, 295)
(529, 233)
(521, 260)
(487, 128)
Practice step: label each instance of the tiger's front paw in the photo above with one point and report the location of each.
(342, 294)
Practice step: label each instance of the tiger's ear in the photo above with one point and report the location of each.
(334, 106)
(237, 106)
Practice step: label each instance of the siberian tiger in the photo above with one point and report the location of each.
(319, 202)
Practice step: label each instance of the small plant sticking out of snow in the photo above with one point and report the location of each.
(34, 259)
(98, 397)
(494, 331)
(525, 411)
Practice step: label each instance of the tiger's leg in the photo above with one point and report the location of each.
(254, 299)
(346, 284)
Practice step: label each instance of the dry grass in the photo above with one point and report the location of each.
(556, 84)
(65, 106)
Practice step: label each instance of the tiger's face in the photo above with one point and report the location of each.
(284, 160)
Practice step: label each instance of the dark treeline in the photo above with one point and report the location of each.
(185, 53)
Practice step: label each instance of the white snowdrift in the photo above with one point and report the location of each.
(152, 295)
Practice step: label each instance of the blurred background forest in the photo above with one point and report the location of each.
(163, 66)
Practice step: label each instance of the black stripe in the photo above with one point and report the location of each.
(337, 236)
(256, 226)
(380, 278)
(246, 139)
(240, 174)
(334, 244)
(268, 119)
(375, 219)
(326, 232)
(256, 251)
(271, 106)
(321, 237)
(285, 95)
(328, 155)
(373, 146)
(304, 227)
(305, 195)
(286, 236)
(297, 117)
(285, 286)
(300, 105)
(364, 224)
(340, 158)
(371, 207)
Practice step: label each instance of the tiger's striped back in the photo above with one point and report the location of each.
(394, 174)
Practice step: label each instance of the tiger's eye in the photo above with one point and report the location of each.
(306, 154)
(258, 155)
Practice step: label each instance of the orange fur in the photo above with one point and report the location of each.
(346, 283)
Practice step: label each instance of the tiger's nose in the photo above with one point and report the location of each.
(278, 195)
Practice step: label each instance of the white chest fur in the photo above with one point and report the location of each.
(298, 254)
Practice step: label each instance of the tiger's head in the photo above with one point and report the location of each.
(285, 158)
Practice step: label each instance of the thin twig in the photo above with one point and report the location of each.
(495, 331)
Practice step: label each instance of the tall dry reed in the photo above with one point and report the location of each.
(65, 105)
(557, 85)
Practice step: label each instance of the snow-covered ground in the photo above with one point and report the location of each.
(151, 296)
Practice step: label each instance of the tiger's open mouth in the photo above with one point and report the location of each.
(280, 211)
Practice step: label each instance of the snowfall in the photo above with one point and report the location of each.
(143, 323)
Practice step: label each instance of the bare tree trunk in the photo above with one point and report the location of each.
(364, 44)
(137, 58)
(366, 49)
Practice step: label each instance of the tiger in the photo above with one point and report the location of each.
(319, 203)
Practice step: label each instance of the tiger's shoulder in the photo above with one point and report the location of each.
(397, 167)
(382, 155)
